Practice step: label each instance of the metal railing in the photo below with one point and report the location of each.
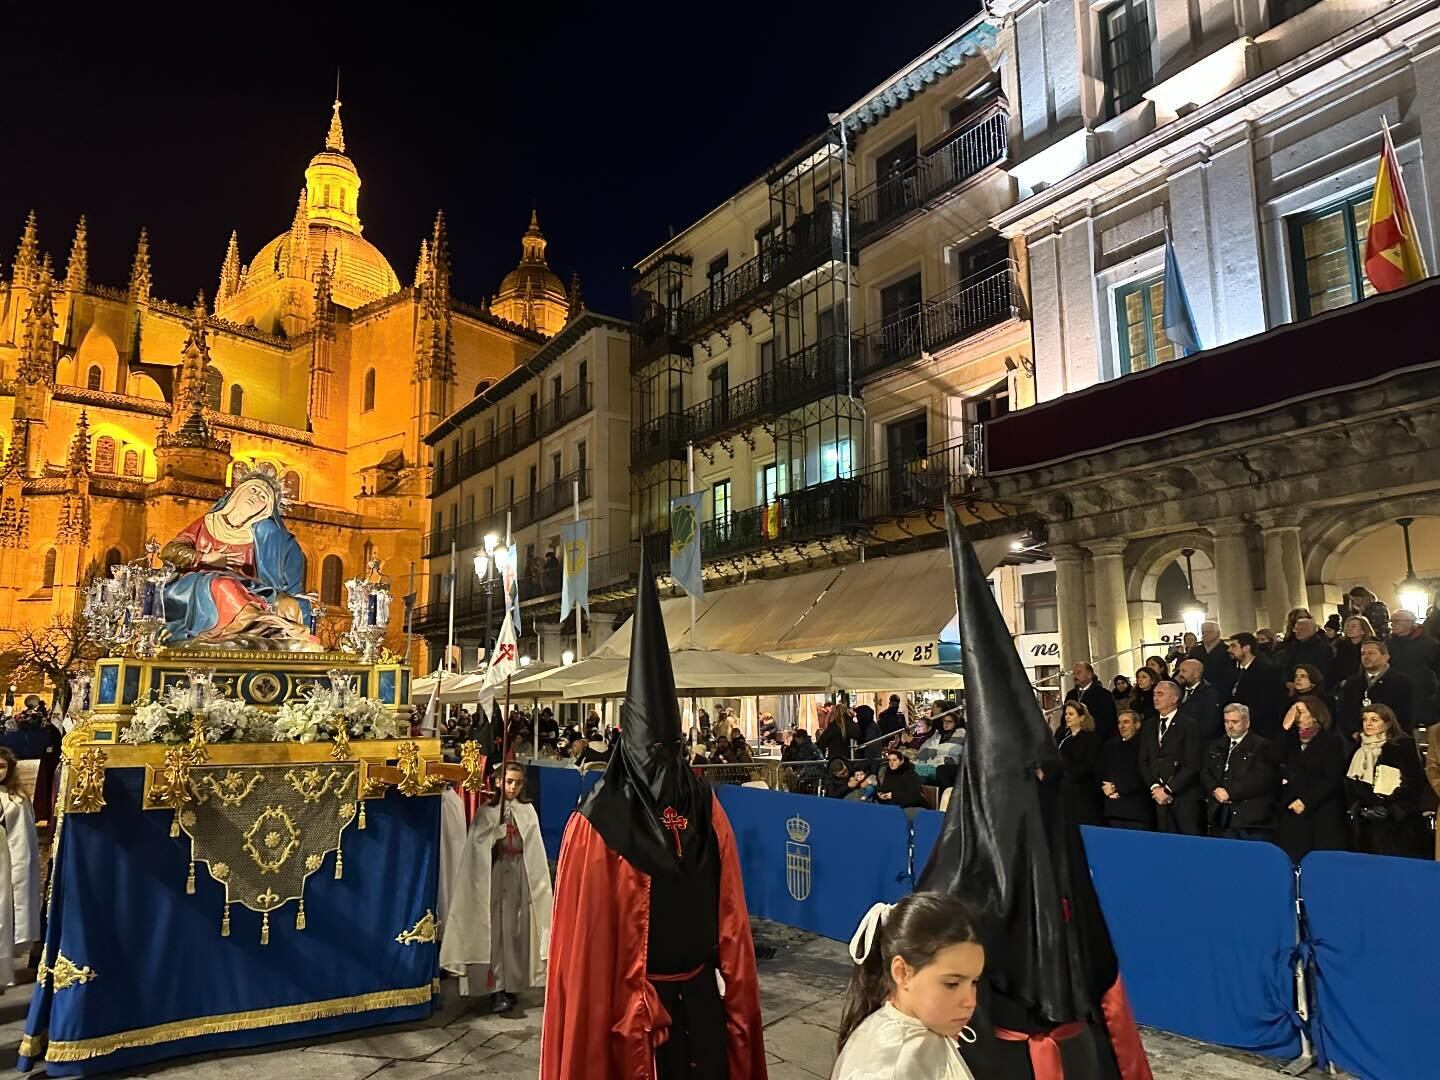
(983, 300)
(813, 372)
(661, 438)
(896, 488)
(512, 438)
(891, 199)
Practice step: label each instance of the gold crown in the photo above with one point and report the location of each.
(798, 828)
(264, 471)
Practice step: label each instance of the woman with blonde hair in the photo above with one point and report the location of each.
(1080, 755)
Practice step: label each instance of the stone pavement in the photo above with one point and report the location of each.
(800, 1000)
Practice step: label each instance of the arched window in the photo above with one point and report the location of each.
(369, 390)
(214, 386)
(94, 377)
(331, 580)
(290, 485)
(49, 576)
(237, 399)
(483, 385)
(105, 454)
(114, 557)
(132, 463)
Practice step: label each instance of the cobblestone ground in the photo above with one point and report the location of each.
(800, 1000)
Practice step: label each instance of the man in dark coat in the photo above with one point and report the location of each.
(1307, 645)
(890, 721)
(1198, 698)
(1210, 650)
(1090, 692)
(1170, 761)
(1416, 655)
(1259, 686)
(1375, 683)
(1240, 779)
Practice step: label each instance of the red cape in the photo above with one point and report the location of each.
(603, 1019)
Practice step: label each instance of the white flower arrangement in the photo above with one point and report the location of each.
(170, 719)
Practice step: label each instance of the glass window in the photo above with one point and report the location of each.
(719, 380)
(370, 390)
(1327, 249)
(105, 454)
(49, 578)
(837, 460)
(1280, 10)
(214, 387)
(677, 394)
(290, 486)
(237, 399)
(1125, 49)
(720, 506)
(132, 463)
(555, 468)
(767, 356)
(1140, 320)
(332, 574)
(94, 377)
(1037, 595)
(581, 463)
(769, 483)
(715, 272)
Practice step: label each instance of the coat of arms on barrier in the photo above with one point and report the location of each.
(797, 858)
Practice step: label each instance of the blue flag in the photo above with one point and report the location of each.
(575, 550)
(685, 543)
(1179, 319)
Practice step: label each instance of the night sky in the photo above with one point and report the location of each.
(618, 121)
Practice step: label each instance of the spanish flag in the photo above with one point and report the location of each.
(1393, 258)
(773, 520)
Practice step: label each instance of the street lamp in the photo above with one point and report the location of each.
(525, 661)
(1414, 597)
(1191, 610)
(484, 562)
(567, 658)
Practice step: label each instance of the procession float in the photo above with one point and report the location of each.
(246, 845)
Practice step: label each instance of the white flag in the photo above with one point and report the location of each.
(506, 659)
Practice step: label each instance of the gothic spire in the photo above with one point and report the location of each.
(78, 463)
(298, 247)
(37, 340)
(422, 264)
(323, 283)
(140, 268)
(77, 270)
(194, 356)
(577, 303)
(335, 137)
(27, 253)
(229, 271)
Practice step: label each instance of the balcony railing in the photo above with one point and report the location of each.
(656, 335)
(897, 488)
(512, 438)
(661, 438)
(979, 302)
(886, 203)
(540, 504)
(816, 371)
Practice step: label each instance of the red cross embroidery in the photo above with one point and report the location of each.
(505, 652)
(676, 824)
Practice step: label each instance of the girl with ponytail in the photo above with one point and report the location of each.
(912, 993)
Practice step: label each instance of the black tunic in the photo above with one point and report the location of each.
(1120, 764)
(1080, 754)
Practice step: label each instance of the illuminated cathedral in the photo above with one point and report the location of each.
(122, 415)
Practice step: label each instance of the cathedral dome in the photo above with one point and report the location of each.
(359, 273)
(532, 294)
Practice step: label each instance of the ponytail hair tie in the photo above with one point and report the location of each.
(864, 939)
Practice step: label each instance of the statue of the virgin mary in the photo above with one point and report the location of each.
(240, 575)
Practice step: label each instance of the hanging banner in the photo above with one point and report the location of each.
(685, 543)
(575, 550)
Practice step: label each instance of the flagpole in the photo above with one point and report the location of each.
(579, 625)
(690, 490)
(450, 634)
(410, 614)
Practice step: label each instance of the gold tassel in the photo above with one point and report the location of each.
(339, 864)
(265, 929)
(190, 880)
(362, 813)
(300, 915)
(175, 825)
(225, 921)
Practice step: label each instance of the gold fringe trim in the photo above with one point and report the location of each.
(33, 1046)
(87, 1049)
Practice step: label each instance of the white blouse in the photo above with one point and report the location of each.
(888, 1045)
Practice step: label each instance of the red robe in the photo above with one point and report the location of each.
(603, 1018)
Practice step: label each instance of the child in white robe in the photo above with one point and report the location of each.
(24, 847)
(912, 993)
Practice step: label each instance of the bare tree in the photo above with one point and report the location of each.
(56, 651)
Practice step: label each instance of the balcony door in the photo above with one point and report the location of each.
(895, 179)
(900, 319)
(905, 443)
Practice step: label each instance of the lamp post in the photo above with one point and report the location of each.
(1414, 597)
(485, 562)
(1191, 610)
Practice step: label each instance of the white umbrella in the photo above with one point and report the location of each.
(705, 672)
(426, 686)
(552, 682)
(852, 670)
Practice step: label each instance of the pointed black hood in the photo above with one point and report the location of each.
(1003, 845)
(649, 773)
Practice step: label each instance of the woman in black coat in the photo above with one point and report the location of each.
(1127, 803)
(899, 783)
(1353, 631)
(1080, 755)
(1312, 760)
(1144, 700)
(1386, 824)
(835, 737)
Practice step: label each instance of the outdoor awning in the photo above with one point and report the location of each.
(853, 671)
(676, 613)
(755, 616)
(895, 608)
(424, 687)
(551, 684)
(706, 672)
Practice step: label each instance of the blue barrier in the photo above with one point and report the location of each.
(816, 864)
(555, 790)
(1372, 961)
(1205, 932)
(927, 832)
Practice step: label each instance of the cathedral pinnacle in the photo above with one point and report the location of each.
(322, 281)
(335, 137)
(140, 268)
(27, 254)
(422, 264)
(298, 251)
(78, 462)
(577, 304)
(77, 270)
(229, 272)
(37, 342)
